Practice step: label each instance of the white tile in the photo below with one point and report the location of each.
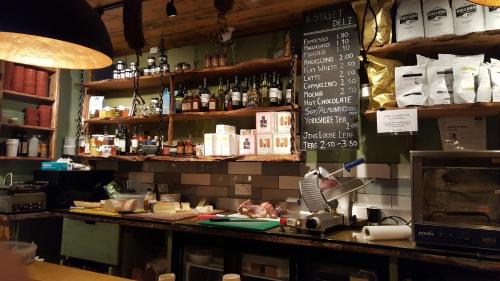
(401, 202)
(381, 201)
(381, 171)
(195, 179)
(244, 168)
(141, 177)
(401, 171)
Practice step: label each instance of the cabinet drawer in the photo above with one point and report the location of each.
(98, 242)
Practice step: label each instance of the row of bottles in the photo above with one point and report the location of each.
(251, 92)
(32, 147)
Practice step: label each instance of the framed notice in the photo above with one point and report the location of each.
(330, 80)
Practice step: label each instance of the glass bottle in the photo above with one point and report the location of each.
(280, 89)
(205, 96)
(179, 97)
(220, 97)
(196, 105)
(244, 93)
(264, 92)
(273, 91)
(253, 96)
(134, 142)
(23, 146)
(236, 94)
(288, 93)
(187, 103)
(116, 141)
(227, 96)
(212, 102)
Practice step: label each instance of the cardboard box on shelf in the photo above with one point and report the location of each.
(209, 144)
(283, 122)
(226, 144)
(264, 144)
(225, 129)
(247, 144)
(282, 143)
(264, 122)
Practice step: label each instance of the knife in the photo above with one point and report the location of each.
(233, 220)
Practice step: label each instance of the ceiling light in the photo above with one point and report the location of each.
(56, 33)
(171, 10)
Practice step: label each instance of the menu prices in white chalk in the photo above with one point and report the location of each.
(330, 94)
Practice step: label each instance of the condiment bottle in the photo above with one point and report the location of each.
(147, 197)
(180, 148)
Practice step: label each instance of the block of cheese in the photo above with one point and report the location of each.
(165, 207)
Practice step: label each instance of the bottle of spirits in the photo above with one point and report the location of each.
(179, 97)
(134, 142)
(280, 89)
(244, 93)
(273, 91)
(116, 142)
(220, 97)
(196, 105)
(187, 102)
(288, 93)
(23, 146)
(205, 96)
(227, 96)
(212, 102)
(140, 140)
(264, 92)
(236, 94)
(253, 96)
(122, 142)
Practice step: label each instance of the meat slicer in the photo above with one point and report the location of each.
(329, 200)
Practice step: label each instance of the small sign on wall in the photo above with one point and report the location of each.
(397, 121)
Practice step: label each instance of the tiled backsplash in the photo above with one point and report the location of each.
(269, 181)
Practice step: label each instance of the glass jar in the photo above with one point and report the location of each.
(222, 60)
(215, 60)
(151, 62)
(125, 111)
(154, 107)
(147, 72)
(180, 148)
(208, 61)
(172, 150)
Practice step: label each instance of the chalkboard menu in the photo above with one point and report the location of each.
(330, 80)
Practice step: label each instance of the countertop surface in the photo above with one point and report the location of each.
(44, 271)
(340, 239)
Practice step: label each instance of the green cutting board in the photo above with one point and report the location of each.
(251, 226)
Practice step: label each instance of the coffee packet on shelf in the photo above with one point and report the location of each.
(378, 26)
(491, 18)
(495, 80)
(411, 88)
(465, 79)
(380, 73)
(438, 18)
(467, 17)
(483, 93)
(409, 22)
(440, 77)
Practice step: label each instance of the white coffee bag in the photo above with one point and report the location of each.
(440, 76)
(410, 85)
(438, 18)
(491, 18)
(465, 77)
(495, 80)
(467, 17)
(409, 23)
(484, 84)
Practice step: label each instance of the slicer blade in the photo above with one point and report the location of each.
(311, 194)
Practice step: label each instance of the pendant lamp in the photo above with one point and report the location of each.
(56, 33)
(489, 3)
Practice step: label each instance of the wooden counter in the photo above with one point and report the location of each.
(43, 271)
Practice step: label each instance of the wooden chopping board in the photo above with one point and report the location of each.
(168, 217)
(96, 211)
(44, 271)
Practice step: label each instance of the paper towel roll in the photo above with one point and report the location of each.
(386, 232)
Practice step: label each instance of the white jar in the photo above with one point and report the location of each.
(12, 146)
(33, 147)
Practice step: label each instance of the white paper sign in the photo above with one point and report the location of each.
(463, 133)
(397, 121)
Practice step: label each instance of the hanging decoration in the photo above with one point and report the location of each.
(223, 35)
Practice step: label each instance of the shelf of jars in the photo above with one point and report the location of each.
(448, 110)
(126, 120)
(28, 98)
(246, 158)
(465, 44)
(281, 65)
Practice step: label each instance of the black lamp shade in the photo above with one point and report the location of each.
(171, 10)
(55, 33)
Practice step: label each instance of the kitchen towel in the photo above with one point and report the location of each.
(386, 232)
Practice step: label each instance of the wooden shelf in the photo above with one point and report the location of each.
(25, 158)
(467, 44)
(237, 113)
(449, 110)
(23, 97)
(125, 120)
(128, 83)
(253, 67)
(246, 158)
(27, 127)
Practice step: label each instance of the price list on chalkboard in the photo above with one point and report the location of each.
(330, 80)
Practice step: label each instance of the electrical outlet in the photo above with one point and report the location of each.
(242, 189)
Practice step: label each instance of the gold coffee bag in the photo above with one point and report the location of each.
(382, 9)
(381, 77)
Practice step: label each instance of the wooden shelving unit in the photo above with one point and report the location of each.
(449, 110)
(246, 158)
(253, 67)
(27, 98)
(48, 134)
(467, 44)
